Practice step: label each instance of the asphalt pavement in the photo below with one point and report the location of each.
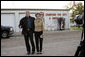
(55, 43)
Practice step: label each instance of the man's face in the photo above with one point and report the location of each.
(27, 14)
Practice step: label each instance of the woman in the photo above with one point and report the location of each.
(38, 32)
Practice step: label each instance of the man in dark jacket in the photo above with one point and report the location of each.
(27, 25)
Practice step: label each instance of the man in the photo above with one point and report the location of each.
(59, 22)
(27, 25)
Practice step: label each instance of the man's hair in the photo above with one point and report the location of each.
(27, 11)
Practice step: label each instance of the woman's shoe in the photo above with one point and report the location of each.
(33, 52)
(40, 52)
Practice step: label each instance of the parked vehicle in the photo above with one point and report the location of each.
(6, 31)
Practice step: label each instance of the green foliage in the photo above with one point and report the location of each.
(79, 9)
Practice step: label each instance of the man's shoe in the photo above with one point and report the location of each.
(28, 53)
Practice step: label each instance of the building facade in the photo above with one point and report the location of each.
(11, 17)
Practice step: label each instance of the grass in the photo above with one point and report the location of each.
(76, 28)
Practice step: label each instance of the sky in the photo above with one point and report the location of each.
(36, 4)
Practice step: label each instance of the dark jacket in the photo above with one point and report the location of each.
(23, 24)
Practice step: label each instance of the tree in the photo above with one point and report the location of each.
(79, 9)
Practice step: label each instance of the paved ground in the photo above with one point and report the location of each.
(56, 43)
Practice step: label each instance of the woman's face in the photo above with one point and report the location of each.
(38, 16)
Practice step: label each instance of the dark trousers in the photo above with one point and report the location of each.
(39, 41)
(59, 26)
(29, 37)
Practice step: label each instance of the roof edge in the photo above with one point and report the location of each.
(33, 9)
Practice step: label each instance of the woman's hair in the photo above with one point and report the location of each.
(37, 14)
